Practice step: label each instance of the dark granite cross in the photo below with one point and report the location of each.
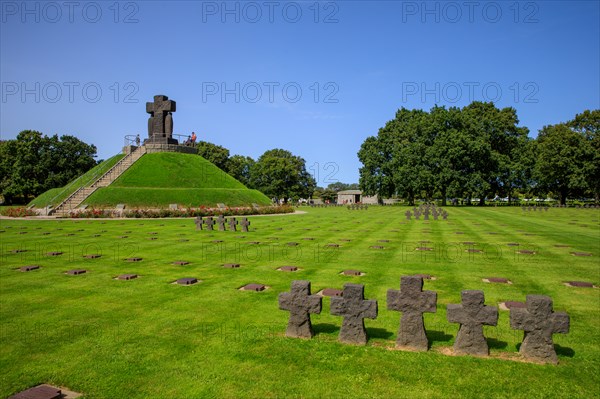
(209, 222)
(539, 323)
(354, 308)
(221, 222)
(159, 110)
(407, 214)
(198, 222)
(472, 314)
(232, 223)
(300, 303)
(245, 223)
(412, 301)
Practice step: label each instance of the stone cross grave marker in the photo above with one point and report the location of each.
(221, 222)
(354, 308)
(232, 223)
(300, 303)
(245, 223)
(426, 214)
(539, 323)
(160, 123)
(412, 301)
(472, 314)
(407, 214)
(209, 222)
(198, 222)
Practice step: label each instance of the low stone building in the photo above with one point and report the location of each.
(355, 197)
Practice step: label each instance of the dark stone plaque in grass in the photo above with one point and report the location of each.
(354, 308)
(383, 240)
(332, 245)
(513, 244)
(183, 240)
(499, 280)
(539, 322)
(54, 253)
(332, 292)
(231, 265)
(92, 256)
(581, 254)
(562, 246)
(46, 233)
(352, 273)
(412, 301)
(153, 238)
(469, 243)
(22, 232)
(459, 232)
(18, 251)
(254, 287)
(581, 284)
(40, 392)
(377, 247)
(254, 242)
(153, 233)
(127, 276)
(300, 303)
(288, 268)
(181, 263)
(76, 272)
(423, 249)
(472, 314)
(474, 251)
(96, 235)
(122, 237)
(291, 244)
(29, 268)
(308, 238)
(217, 241)
(187, 281)
(526, 252)
(134, 259)
(345, 239)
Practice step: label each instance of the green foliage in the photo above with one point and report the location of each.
(33, 163)
(339, 186)
(279, 174)
(239, 167)
(216, 154)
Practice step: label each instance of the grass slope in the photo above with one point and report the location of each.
(160, 179)
(148, 338)
(56, 195)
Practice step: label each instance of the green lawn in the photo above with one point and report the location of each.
(147, 338)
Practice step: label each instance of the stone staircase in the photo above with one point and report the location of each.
(74, 200)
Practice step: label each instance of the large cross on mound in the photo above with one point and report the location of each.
(300, 304)
(160, 123)
(412, 301)
(354, 308)
(472, 314)
(539, 323)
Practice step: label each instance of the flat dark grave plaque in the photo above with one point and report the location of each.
(288, 268)
(153, 233)
(583, 284)
(183, 240)
(127, 276)
(458, 232)
(96, 235)
(423, 249)
(308, 238)
(133, 259)
(92, 256)
(581, 254)
(18, 251)
(500, 280)
(22, 232)
(331, 292)
(254, 242)
(76, 272)
(526, 252)
(513, 244)
(181, 263)
(187, 281)
(45, 233)
(351, 273)
(469, 243)
(217, 241)
(254, 287)
(291, 244)
(39, 392)
(123, 237)
(153, 238)
(345, 239)
(377, 247)
(29, 268)
(473, 250)
(333, 245)
(383, 240)
(54, 253)
(70, 234)
(231, 265)
(424, 242)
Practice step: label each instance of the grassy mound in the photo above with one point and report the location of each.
(160, 179)
(56, 195)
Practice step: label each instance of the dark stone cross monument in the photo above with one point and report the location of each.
(209, 222)
(198, 222)
(539, 323)
(407, 214)
(245, 223)
(472, 314)
(354, 308)
(300, 303)
(232, 223)
(160, 123)
(412, 301)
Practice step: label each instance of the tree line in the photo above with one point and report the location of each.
(479, 151)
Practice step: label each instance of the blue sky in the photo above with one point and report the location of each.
(315, 78)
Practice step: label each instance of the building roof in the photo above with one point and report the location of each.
(352, 192)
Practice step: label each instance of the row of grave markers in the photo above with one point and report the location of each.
(537, 319)
(209, 222)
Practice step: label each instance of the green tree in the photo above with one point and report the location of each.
(588, 124)
(216, 154)
(280, 174)
(339, 186)
(562, 158)
(240, 168)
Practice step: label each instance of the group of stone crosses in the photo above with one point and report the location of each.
(221, 221)
(537, 319)
(534, 208)
(358, 206)
(426, 210)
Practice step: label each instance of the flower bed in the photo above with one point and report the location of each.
(178, 213)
